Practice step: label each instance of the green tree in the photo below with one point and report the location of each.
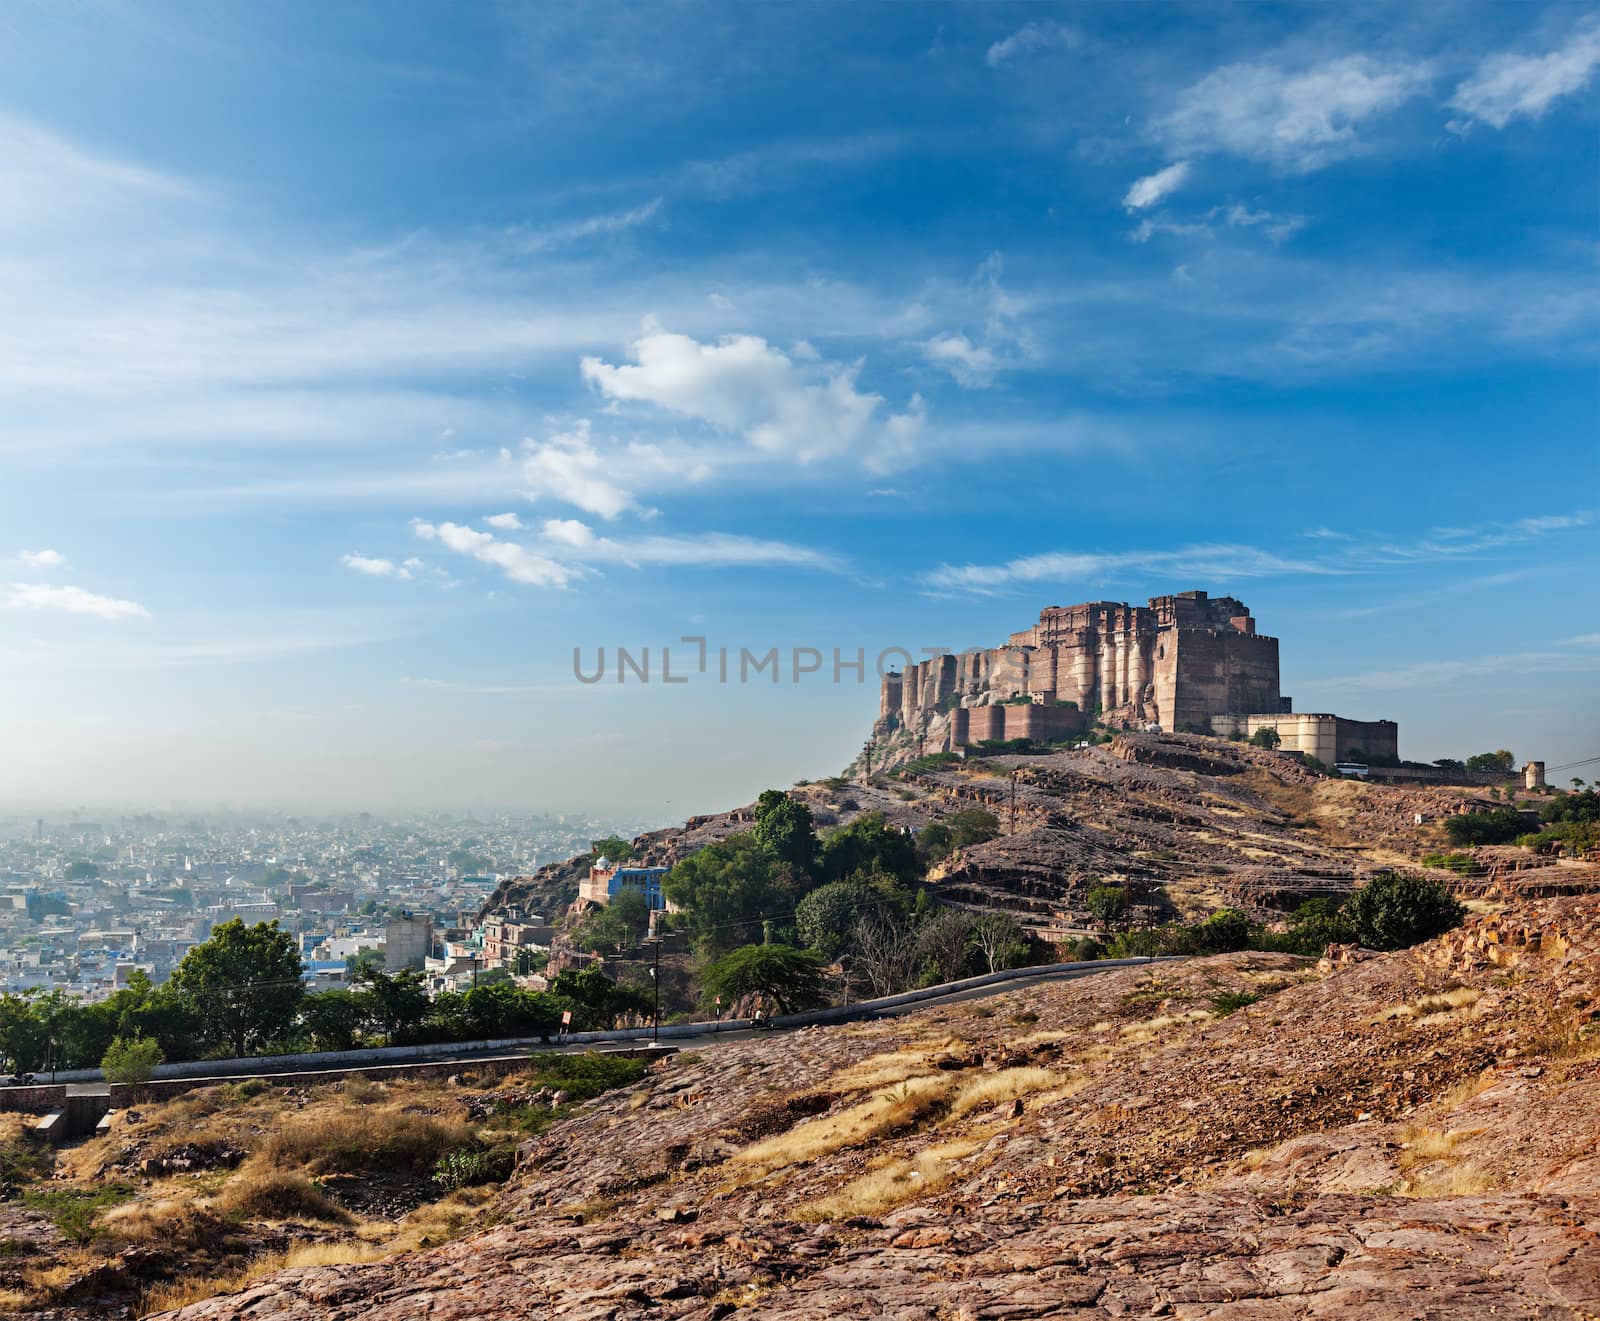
(1501, 762)
(617, 925)
(869, 844)
(243, 985)
(1318, 923)
(23, 1032)
(1500, 826)
(81, 870)
(727, 888)
(398, 1003)
(998, 941)
(791, 978)
(613, 848)
(1266, 737)
(334, 1020)
(1107, 903)
(826, 918)
(596, 1001)
(1225, 930)
(784, 828)
(131, 1060)
(1393, 911)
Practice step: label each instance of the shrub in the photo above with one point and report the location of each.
(279, 1195)
(1460, 863)
(1500, 826)
(353, 1142)
(1393, 911)
(584, 1076)
(133, 1060)
(465, 1167)
(1230, 1002)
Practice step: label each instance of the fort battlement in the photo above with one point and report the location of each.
(1185, 661)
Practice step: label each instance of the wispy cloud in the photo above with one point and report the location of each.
(1296, 119)
(1507, 85)
(517, 562)
(69, 600)
(1222, 562)
(41, 559)
(1438, 673)
(567, 549)
(1031, 38)
(375, 567)
(1153, 187)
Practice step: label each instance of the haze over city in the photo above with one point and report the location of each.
(360, 365)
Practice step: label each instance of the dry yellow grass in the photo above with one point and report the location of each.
(916, 1061)
(900, 1108)
(166, 1297)
(174, 1221)
(1430, 1006)
(266, 1194)
(1422, 1146)
(350, 1140)
(893, 1182)
(991, 1089)
(1154, 1027)
(1463, 1092)
(1464, 1180)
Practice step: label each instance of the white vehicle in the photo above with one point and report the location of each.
(1354, 769)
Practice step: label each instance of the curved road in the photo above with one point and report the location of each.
(736, 1030)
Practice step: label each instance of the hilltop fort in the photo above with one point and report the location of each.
(1187, 662)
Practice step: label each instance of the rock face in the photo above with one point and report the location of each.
(1407, 1135)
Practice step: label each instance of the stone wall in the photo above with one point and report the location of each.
(1322, 735)
(1041, 724)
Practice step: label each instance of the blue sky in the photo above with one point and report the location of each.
(358, 363)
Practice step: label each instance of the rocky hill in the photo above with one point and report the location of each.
(1191, 822)
(1249, 1135)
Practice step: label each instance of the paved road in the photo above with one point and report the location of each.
(735, 1031)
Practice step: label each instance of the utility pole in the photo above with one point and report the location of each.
(655, 976)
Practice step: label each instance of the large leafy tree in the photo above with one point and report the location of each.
(1393, 910)
(785, 829)
(1501, 761)
(399, 1003)
(613, 848)
(596, 1001)
(791, 978)
(728, 888)
(243, 985)
(869, 844)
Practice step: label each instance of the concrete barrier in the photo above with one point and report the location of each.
(51, 1128)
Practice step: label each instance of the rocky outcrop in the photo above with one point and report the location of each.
(1410, 1134)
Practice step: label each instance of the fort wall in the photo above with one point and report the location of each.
(1185, 661)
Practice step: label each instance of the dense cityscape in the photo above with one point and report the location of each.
(85, 903)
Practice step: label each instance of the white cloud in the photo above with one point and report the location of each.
(802, 410)
(504, 522)
(517, 562)
(1188, 562)
(1582, 640)
(570, 468)
(377, 568)
(1297, 120)
(1153, 187)
(72, 600)
(1030, 38)
(974, 360)
(1505, 86)
(568, 532)
(41, 559)
(972, 365)
(536, 240)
